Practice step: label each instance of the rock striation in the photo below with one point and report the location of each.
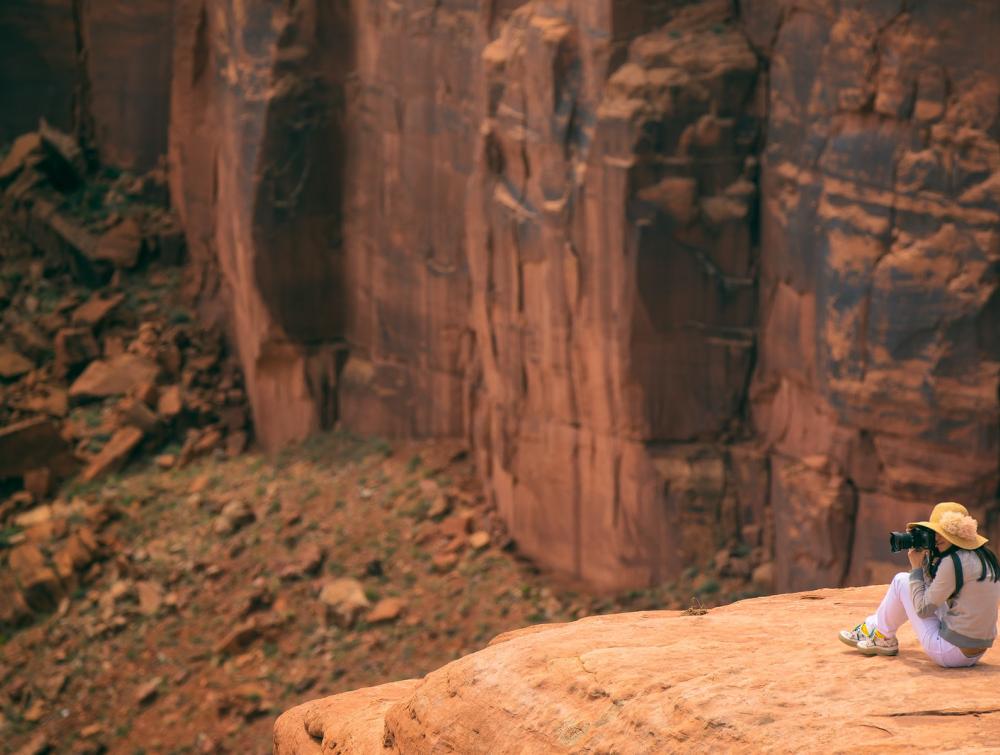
(687, 275)
(666, 681)
(876, 385)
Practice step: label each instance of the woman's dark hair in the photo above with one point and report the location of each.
(990, 565)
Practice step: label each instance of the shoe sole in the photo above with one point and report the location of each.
(878, 651)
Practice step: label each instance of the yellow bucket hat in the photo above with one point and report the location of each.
(952, 522)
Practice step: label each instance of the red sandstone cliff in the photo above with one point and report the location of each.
(685, 273)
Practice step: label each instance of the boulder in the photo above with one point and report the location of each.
(121, 245)
(51, 152)
(479, 540)
(13, 364)
(343, 601)
(93, 312)
(387, 609)
(639, 682)
(37, 580)
(308, 558)
(170, 402)
(354, 721)
(113, 377)
(234, 515)
(72, 556)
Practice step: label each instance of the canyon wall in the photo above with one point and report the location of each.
(38, 68)
(688, 275)
(877, 378)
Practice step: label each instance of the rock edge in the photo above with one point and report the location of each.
(767, 674)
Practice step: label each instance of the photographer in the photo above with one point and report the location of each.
(950, 597)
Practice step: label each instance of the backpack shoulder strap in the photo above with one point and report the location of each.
(959, 576)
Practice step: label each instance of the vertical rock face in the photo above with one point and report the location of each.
(38, 70)
(611, 263)
(127, 53)
(333, 232)
(877, 377)
(414, 121)
(684, 272)
(101, 65)
(257, 155)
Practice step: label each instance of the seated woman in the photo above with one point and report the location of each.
(950, 597)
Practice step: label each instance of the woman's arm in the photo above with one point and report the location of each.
(928, 598)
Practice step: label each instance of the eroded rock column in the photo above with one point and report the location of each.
(258, 151)
(611, 253)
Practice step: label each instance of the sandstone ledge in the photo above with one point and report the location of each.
(766, 674)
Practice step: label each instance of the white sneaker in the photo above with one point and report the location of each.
(853, 636)
(879, 644)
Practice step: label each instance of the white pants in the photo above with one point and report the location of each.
(897, 607)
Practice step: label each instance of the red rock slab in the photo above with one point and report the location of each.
(666, 681)
(60, 235)
(96, 308)
(113, 377)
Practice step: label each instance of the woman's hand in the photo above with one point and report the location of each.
(916, 558)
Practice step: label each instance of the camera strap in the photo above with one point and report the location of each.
(935, 562)
(959, 576)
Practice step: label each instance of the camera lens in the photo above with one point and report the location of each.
(900, 541)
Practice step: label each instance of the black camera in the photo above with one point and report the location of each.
(919, 538)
